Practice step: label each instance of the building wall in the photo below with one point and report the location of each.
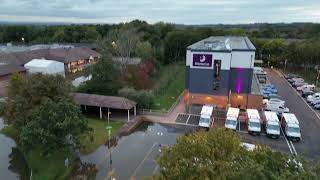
(240, 80)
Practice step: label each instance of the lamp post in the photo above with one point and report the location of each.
(109, 128)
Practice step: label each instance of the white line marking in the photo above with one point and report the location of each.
(188, 119)
(287, 141)
(145, 157)
(293, 148)
(155, 170)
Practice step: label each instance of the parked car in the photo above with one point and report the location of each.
(269, 86)
(315, 101)
(310, 98)
(306, 92)
(298, 84)
(293, 80)
(290, 76)
(317, 106)
(306, 86)
(277, 108)
(275, 96)
(271, 90)
(274, 101)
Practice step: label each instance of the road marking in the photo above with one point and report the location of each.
(188, 119)
(293, 148)
(286, 141)
(141, 163)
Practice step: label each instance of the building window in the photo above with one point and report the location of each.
(217, 72)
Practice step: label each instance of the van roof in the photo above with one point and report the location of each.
(290, 118)
(233, 112)
(207, 110)
(253, 114)
(271, 116)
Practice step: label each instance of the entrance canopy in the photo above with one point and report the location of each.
(112, 102)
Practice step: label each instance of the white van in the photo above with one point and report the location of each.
(254, 125)
(272, 124)
(290, 126)
(232, 118)
(206, 116)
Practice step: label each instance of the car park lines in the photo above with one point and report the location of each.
(188, 119)
(309, 146)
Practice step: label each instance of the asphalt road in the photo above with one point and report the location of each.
(309, 146)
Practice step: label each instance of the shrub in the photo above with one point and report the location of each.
(143, 98)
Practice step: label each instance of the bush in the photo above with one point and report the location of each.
(143, 98)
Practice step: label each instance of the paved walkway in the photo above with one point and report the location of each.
(170, 117)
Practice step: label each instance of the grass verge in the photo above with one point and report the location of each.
(169, 93)
(99, 135)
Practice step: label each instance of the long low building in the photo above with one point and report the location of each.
(219, 71)
(74, 59)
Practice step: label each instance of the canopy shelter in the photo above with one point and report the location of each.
(109, 102)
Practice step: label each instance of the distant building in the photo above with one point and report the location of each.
(219, 69)
(74, 59)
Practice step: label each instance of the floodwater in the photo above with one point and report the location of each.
(135, 155)
(12, 163)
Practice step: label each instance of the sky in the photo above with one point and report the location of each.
(152, 11)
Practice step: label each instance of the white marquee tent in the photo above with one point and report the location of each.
(45, 66)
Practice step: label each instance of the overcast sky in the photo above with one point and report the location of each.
(174, 11)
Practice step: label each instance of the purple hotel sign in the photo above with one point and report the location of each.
(202, 60)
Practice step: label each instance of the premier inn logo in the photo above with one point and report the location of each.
(202, 60)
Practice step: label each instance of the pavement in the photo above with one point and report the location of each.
(309, 119)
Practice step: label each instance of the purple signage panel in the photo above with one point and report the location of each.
(202, 60)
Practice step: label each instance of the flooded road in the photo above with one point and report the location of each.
(135, 155)
(12, 163)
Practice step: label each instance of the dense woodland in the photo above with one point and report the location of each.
(296, 42)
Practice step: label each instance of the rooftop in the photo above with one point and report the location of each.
(41, 62)
(223, 43)
(10, 69)
(113, 102)
(64, 55)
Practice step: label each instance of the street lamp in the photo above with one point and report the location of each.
(109, 128)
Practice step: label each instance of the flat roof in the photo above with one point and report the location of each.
(8, 69)
(113, 102)
(290, 118)
(223, 43)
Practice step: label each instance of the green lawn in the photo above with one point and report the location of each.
(99, 136)
(52, 166)
(168, 95)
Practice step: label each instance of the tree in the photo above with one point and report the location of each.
(105, 77)
(53, 125)
(40, 107)
(218, 154)
(121, 42)
(144, 50)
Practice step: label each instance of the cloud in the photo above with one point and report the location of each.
(176, 11)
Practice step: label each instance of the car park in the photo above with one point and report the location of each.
(272, 124)
(290, 126)
(254, 122)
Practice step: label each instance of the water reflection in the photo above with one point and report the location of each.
(12, 162)
(135, 155)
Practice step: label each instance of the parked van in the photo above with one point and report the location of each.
(254, 123)
(206, 116)
(290, 126)
(272, 124)
(232, 118)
